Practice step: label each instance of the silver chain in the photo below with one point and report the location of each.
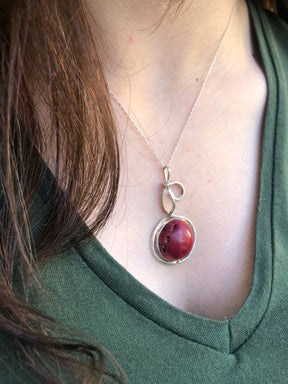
(193, 105)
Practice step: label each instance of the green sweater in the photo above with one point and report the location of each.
(156, 343)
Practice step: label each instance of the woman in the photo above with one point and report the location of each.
(192, 92)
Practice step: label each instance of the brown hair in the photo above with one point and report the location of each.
(47, 54)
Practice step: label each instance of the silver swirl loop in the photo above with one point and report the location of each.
(169, 192)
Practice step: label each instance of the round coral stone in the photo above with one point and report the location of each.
(176, 240)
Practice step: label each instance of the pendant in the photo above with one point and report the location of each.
(174, 237)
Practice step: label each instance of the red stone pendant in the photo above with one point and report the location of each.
(174, 238)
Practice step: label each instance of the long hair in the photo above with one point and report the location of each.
(52, 95)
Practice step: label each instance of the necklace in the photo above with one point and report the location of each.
(174, 237)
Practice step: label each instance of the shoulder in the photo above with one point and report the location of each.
(276, 33)
(271, 33)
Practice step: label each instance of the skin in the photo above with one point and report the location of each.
(156, 73)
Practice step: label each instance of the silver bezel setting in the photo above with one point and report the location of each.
(155, 239)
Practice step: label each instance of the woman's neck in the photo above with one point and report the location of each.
(140, 41)
(152, 61)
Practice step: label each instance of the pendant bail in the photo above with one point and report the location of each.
(166, 173)
(169, 192)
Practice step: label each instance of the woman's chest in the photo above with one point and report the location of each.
(218, 163)
(221, 200)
